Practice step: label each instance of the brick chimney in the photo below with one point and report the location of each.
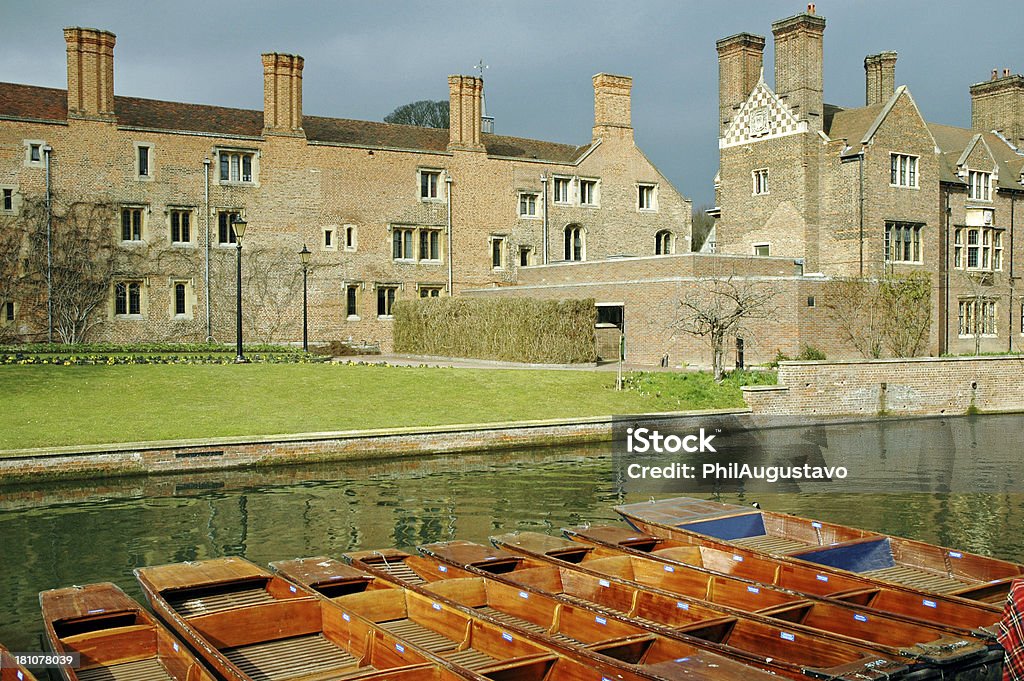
(798, 65)
(464, 112)
(90, 73)
(879, 77)
(612, 105)
(998, 104)
(282, 94)
(740, 60)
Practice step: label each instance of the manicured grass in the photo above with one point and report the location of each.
(53, 406)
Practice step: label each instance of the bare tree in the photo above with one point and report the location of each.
(424, 113)
(891, 314)
(717, 309)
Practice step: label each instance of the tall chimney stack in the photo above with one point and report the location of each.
(464, 112)
(90, 73)
(282, 94)
(798, 65)
(879, 77)
(998, 104)
(612, 108)
(740, 63)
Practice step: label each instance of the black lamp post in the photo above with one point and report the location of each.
(238, 225)
(304, 255)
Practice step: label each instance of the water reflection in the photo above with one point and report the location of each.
(60, 534)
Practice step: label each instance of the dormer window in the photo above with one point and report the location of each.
(979, 186)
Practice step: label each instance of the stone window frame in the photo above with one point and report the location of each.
(569, 248)
(765, 245)
(226, 210)
(431, 290)
(427, 231)
(380, 287)
(329, 238)
(498, 258)
(423, 191)
(917, 242)
(191, 212)
(144, 216)
(652, 198)
(189, 298)
(143, 294)
(351, 234)
(568, 200)
(664, 242)
(254, 166)
(988, 245)
(595, 182)
(760, 179)
(15, 198)
(8, 313)
(136, 150)
(987, 186)
(523, 197)
(40, 145)
(970, 318)
(527, 250)
(904, 167)
(352, 296)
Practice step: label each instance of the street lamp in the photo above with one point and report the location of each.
(304, 255)
(238, 225)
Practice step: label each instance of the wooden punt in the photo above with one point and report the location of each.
(609, 645)
(955, 615)
(250, 625)
(115, 638)
(882, 557)
(953, 655)
(10, 670)
(776, 649)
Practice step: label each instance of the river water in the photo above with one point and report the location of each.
(74, 533)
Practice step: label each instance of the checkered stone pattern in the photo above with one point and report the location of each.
(780, 120)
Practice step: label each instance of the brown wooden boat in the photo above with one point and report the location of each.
(10, 670)
(608, 645)
(249, 625)
(953, 655)
(953, 614)
(115, 638)
(778, 650)
(883, 557)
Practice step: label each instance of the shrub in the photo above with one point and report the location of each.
(509, 329)
(810, 354)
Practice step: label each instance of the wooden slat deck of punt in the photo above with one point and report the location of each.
(302, 656)
(139, 670)
(916, 578)
(770, 544)
(471, 658)
(418, 635)
(524, 624)
(401, 571)
(204, 605)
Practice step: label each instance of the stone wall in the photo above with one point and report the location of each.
(923, 386)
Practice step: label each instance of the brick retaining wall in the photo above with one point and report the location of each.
(923, 386)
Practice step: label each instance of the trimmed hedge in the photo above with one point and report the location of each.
(508, 329)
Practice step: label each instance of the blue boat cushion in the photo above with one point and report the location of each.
(734, 527)
(859, 557)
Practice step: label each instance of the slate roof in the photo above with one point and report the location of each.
(30, 102)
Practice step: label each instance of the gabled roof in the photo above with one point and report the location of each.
(28, 102)
(955, 145)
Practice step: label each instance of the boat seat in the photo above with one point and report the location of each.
(769, 544)
(139, 670)
(524, 624)
(401, 571)
(310, 656)
(205, 605)
(470, 658)
(419, 635)
(917, 578)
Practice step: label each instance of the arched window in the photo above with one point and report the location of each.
(663, 243)
(575, 243)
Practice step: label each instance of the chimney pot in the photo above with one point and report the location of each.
(810, 8)
(995, 73)
(1006, 73)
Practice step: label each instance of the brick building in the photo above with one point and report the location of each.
(389, 211)
(875, 189)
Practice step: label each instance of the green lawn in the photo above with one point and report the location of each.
(53, 406)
